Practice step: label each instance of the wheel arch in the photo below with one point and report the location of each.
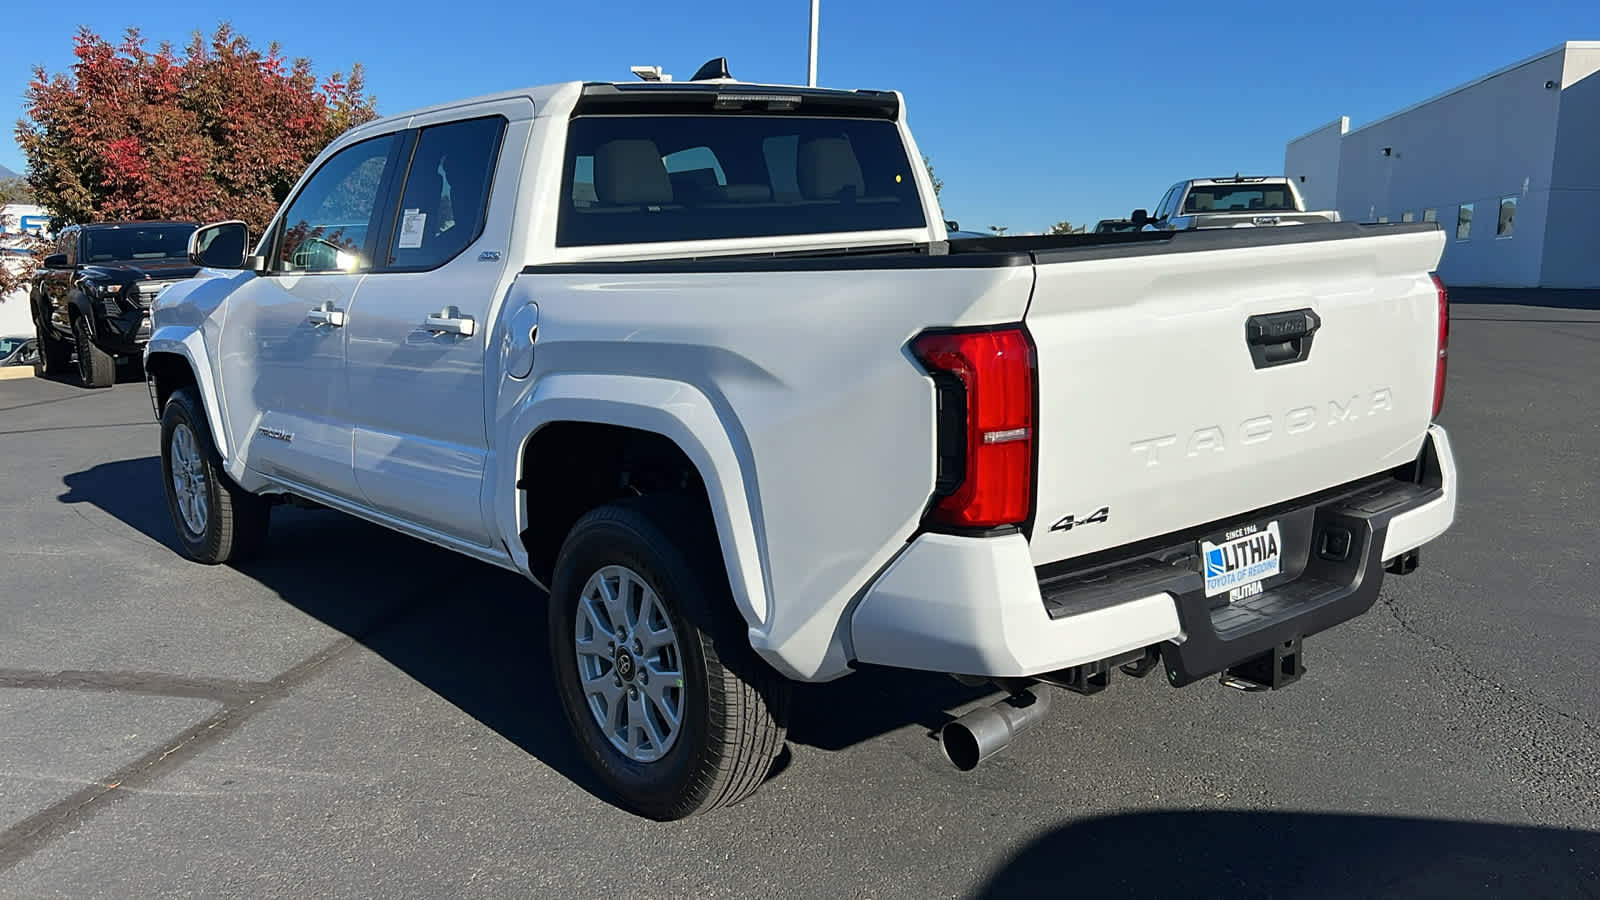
(79, 306)
(659, 412)
(174, 361)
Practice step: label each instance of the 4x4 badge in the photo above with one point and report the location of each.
(1094, 518)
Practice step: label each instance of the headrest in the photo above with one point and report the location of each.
(826, 166)
(630, 173)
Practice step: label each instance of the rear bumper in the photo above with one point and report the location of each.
(977, 606)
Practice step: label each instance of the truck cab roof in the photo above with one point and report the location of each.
(1241, 179)
(706, 95)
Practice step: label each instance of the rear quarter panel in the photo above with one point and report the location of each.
(829, 418)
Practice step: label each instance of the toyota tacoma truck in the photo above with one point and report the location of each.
(699, 359)
(1240, 201)
(91, 298)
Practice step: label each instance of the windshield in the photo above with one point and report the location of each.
(128, 242)
(632, 179)
(1239, 198)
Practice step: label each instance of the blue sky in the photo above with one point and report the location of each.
(1032, 112)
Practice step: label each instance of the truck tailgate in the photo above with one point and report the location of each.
(1157, 412)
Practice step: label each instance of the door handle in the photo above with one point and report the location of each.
(326, 315)
(450, 321)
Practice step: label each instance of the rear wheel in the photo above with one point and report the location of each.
(217, 520)
(55, 355)
(670, 706)
(96, 368)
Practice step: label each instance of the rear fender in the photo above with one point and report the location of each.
(672, 409)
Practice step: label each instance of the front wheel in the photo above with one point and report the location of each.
(217, 520)
(670, 706)
(96, 368)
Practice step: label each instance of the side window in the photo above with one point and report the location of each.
(1165, 208)
(1464, 222)
(1508, 217)
(696, 175)
(325, 228)
(782, 154)
(446, 199)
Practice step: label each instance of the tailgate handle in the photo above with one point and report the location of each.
(1277, 339)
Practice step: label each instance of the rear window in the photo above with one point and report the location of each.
(1223, 198)
(643, 179)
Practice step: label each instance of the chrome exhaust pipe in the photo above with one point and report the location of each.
(984, 732)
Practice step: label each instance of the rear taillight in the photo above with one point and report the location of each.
(1444, 347)
(986, 431)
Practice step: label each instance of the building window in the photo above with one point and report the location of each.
(1383, 220)
(1430, 215)
(1464, 222)
(1508, 217)
(1408, 216)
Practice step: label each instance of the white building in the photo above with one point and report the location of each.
(16, 320)
(1509, 165)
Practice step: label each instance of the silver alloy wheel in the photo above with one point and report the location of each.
(629, 666)
(189, 479)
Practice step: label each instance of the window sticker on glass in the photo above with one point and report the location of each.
(411, 229)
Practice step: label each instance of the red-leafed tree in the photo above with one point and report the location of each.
(219, 131)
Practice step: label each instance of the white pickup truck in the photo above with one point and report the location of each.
(1241, 201)
(699, 358)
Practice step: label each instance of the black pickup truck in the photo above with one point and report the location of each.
(92, 296)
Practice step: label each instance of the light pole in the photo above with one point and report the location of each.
(811, 67)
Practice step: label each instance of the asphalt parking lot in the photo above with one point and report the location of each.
(362, 715)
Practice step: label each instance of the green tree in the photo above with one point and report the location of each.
(15, 190)
(938, 183)
(1065, 227)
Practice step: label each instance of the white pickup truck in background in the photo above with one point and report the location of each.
(700, 358)
(1242, 201)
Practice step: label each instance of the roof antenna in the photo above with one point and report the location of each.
(713, 70)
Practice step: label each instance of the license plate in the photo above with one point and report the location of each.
(1243, 558)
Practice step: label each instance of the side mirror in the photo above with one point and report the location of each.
(221, 245)
(1140, 218)
(55, 261)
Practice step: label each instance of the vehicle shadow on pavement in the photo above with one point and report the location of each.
(126, 372)
(473, 634)
(129, 490)
(477, 635)
(1203, 853)
(874, 701)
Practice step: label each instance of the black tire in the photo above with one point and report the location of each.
(734, 707)
(96, 368)
(55, 355)
(234, 527)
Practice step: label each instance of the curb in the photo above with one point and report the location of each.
(12, 372)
